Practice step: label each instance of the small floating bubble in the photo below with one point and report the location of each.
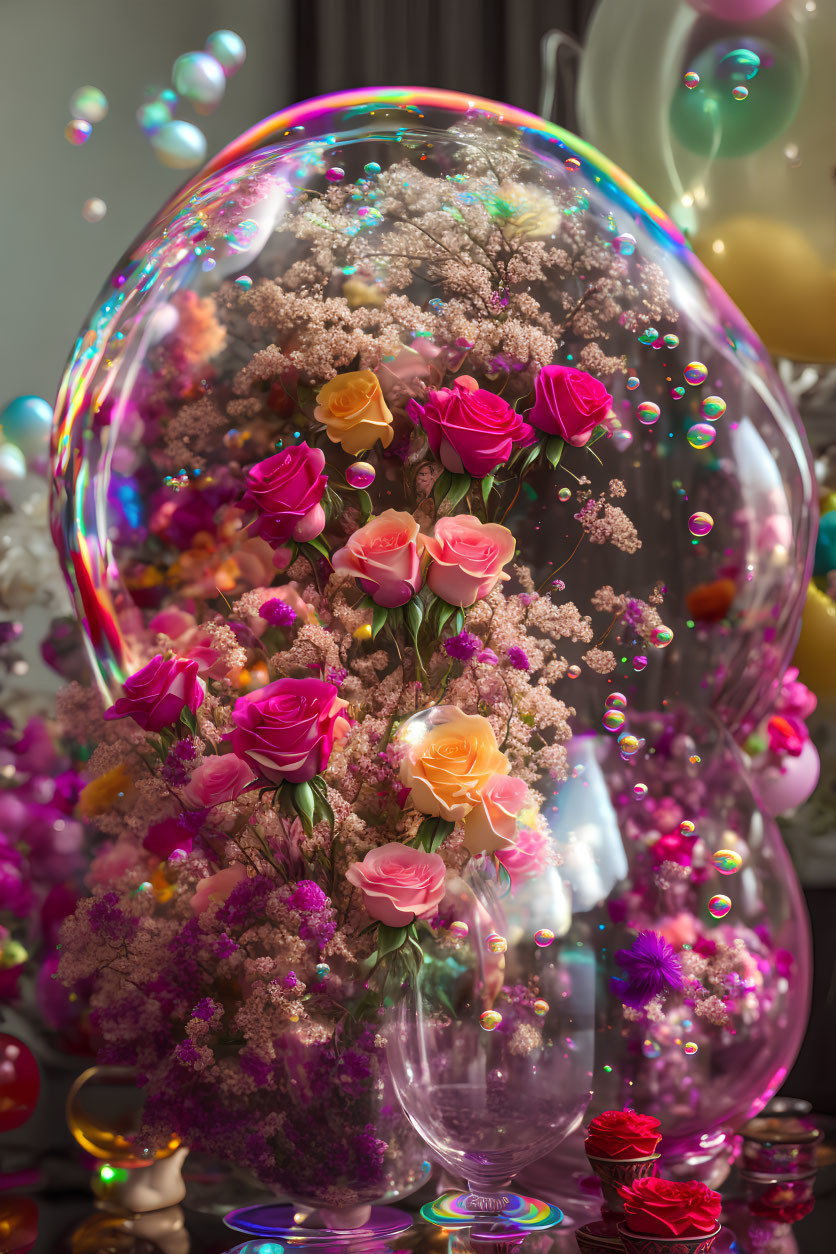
(690, 1048)
(726, 861)
(335, 174)
(94, 209)
(360, 475)
(543, 937)
(640, 791)
(78, 132)
(651, 1048)
(671, 341)
(625, 245)
(649, 336)
(740, 92)
(712, 408)
(244, 282)
(573, 671)
(691, 80)
(322, 970)
(700, 524)
(490, 1020)
(639, 662)
(677, 393)
(695, 373)
(496, 944)
(719, 906)
(459, 929)
(541, 1007)
(371, 167)
(564, 494)
(633, 382)
(661, 636)
(616, 700)
(701, 435)
(687, 828)
(629, 745)
(572, 163)
(613, 720)
(648, 413)
(89, 104)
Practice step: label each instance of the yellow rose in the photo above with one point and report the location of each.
(353, 411)
(357, 292)
(448, 768)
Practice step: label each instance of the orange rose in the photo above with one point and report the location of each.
(492, 824)
(449, 767)
(353, 411)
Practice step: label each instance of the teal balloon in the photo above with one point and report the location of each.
(27, 422)
(710, 121)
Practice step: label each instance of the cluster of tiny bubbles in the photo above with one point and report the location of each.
(660, 637)
(574, 671)
(564, 494)
(692, 80)
(613, 720)
(701, 435)
(459, 929)
(633, 382)
(179, 145)
(496, 944)
(695, 372)
(77, 131)
(490, 1020)
(687, 828)
(671, 341)
(616, 700)
(625, 245)
(726, 861)
(543, 937)
(648, 336)
(640, 791)
(700, 524)
(712, 408)
(740, 92)
(94, 209)
(200, 79)
(629, 745)
(651, 1048)
(690, 1048)
(244, 282)
(719, 906)
(541, 1007)
(677, 393)
(322, 970)
(360, 475)
(89, 104)
(648, 413)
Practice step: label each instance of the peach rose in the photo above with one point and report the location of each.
(492, 824)
(398, 883)
(383, 558)
(219, 778)
(353, 411)
(216, 888)
(466, 558)
(448, 769)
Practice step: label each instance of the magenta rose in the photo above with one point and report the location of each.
(469, 429)
(670, 1208)
(569, 403)
(157, 695)
(286, 730)
(217, 779)
(399, 883)
(287, 491)
(383, 558)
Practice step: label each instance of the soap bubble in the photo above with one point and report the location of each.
(700, 524)
(719, 906)
(228, 49)
(78, 132)
(695, 372)
(701, 435)
(199, 78)
(94, 209)
(490, 1020)
(89, 104)
(179, 145)
(726, 861)
(543, 937)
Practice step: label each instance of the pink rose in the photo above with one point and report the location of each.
(569, 403)
(786, 734)
(528, 857)
(287, 489)
(469, 429)
(795, 697)
(398, 883)
(286, 730)
(173, 623)
(467, 557)
(112, 862)
(169, 834)
(492, 824)
(156, 695)
(216, 888)
(216, 780)
(383, 558)
(191, 641)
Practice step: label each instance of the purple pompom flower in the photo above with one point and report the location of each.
(651, 967)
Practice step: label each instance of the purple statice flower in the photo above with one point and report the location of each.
(307, 895)
(225, 946)
(255, 1066)
(290, 980)
(518, 658)
(337, 676)
(277, 613)
(651, 967)
(318, 923)
(205, 1009)
(187, 1053)
(633, 612)
(463, 647)
(108, 921)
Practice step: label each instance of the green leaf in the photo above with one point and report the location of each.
(554, 449)
(379, 620)
(597, 433)
(458, 622)
(530, 457)
(304, 802)
(441, 487)
(433, 832)
(443, 613)
(390, 939)
(365, 502)
(459, 489)
(487, 485)
(319, 544)
(414, 612)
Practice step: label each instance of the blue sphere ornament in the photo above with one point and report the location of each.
(228, 49)
(179, 145)
(198, 77)
(26, 422)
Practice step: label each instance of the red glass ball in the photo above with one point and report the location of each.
(20, 1082)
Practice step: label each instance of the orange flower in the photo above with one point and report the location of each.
(102, 794)
(449, 767)
(353, 411)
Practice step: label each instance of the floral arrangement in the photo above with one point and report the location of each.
(622, 1134)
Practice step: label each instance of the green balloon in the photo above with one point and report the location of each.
(710, 121)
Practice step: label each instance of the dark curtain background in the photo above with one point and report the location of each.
(487, 47)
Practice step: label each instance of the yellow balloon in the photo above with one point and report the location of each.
(779, 281)
(816, 647)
